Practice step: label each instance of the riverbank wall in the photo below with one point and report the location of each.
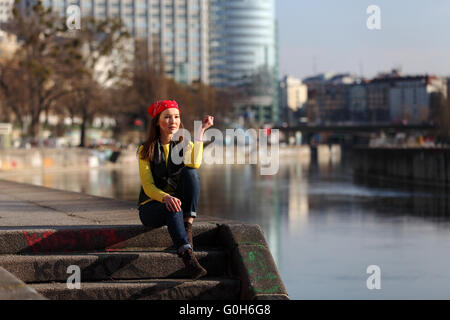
(53, 158)
(421, 166)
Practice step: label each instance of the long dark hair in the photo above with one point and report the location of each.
(153, 135)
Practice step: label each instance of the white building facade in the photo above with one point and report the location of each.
(411, 98)
(293, 93)
(177, 29)
(5, 10)
(293, 98)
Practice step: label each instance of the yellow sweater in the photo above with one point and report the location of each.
(191, 159)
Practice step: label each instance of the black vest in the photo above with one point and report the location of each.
(164, 175)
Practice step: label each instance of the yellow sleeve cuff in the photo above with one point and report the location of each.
(194, 154)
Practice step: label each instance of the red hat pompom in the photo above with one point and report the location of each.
(160, 106)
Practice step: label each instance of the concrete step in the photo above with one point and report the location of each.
(87, 238)
(156, 289)
(97, 266)
(12, 288)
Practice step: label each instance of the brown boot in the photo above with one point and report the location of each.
(188, 227)
(192, 266)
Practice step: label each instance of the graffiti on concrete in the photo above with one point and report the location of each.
(68, 240)
(260, 273)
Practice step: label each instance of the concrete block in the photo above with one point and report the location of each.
(170, 289)
(271, 297)
(255, 266)
(233, 235)
(84, 238)
(251, 260)
(110, 265)
(12, 288)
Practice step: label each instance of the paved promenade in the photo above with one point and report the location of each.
(24, 205)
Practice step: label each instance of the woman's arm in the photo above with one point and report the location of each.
(194, 154)
(147, 182)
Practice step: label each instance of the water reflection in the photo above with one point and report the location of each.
(323, 227)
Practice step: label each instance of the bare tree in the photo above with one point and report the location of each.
(101, 46)
(38, 64)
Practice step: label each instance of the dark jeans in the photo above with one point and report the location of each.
(154, 214)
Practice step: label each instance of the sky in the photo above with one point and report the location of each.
(332, 36)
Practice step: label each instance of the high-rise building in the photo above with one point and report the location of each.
(244, 55)
(176, 30)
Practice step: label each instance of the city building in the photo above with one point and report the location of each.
(175, 31)
(329, 97)
(293, 98)
(244, 56)
(8, 45)
(448, 88)
(377, 91)
(359, 111)
(415, 99)
(5, 10)
(389, 97)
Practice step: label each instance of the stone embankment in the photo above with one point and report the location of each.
(421, 166)
(48, 235)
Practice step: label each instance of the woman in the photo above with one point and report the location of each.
(169, 191)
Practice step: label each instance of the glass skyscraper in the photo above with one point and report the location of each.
(243, 55)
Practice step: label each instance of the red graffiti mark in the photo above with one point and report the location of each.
(36, 238)
(71, 240)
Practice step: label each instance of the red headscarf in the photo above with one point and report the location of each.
(160, 106)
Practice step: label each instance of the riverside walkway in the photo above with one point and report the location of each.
(45, 232)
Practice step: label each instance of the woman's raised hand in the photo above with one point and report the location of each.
(172, 204)
(208, 121)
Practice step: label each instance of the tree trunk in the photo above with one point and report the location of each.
(83, 131)
(84, 121)
(33, 129)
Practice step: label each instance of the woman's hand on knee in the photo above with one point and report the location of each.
(172, 204)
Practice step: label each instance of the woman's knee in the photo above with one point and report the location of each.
(190, 173)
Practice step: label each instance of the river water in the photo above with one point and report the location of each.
(324, 229)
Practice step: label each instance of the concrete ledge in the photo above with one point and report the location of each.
(272, 297)
(421, 166)
(252, 262)
(168, 289)
(12, 288)
(110, 265)
(83, 238)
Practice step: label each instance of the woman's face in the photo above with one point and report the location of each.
(169, 121)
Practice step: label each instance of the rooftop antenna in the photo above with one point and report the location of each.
(314, 65)
(361, 68)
